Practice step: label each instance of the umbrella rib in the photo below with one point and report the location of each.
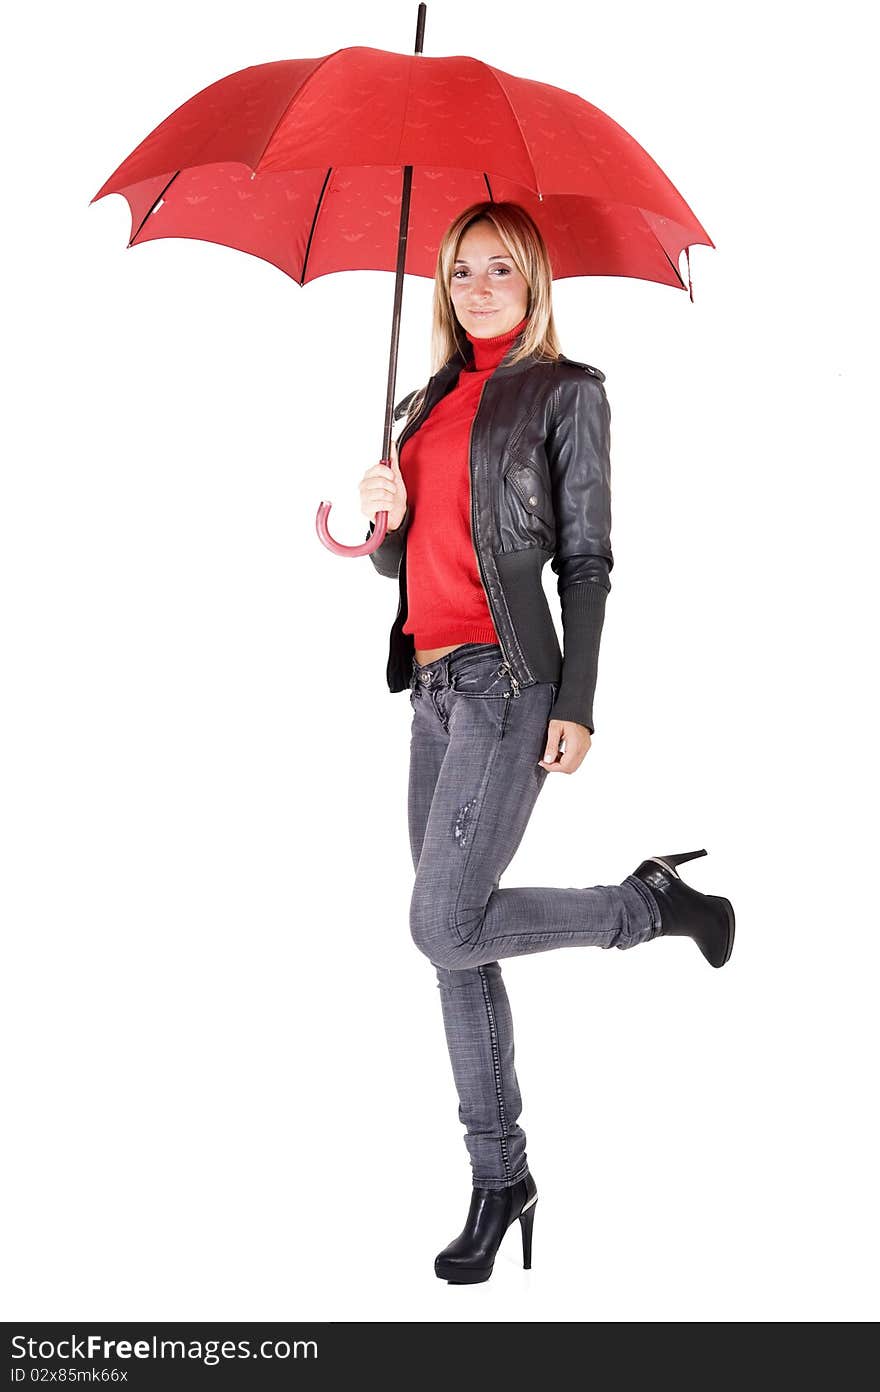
(488, 187)
(518, 126)
(314, 224)
(153, 207)
(298, 93)
(678, 274)
(403, 120)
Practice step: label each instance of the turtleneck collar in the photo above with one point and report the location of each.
(488, 352)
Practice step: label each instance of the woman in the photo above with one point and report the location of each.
(503, 465)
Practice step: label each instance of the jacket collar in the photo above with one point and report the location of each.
(438, 385)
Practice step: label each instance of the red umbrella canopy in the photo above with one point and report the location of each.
(299, 162)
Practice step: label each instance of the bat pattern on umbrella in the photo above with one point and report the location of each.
(305, 162)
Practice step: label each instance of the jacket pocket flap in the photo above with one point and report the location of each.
(532, 489)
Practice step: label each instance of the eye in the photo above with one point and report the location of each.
(505, 271)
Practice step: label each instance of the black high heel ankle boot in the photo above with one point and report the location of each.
(684, 911)
(471, 1257)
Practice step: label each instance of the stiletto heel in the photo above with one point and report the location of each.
(670, 861)
(527, 1222)
(684, 911)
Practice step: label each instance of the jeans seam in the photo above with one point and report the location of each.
(496, 1070)
(533, 937)
(440, 716)
(453, 922)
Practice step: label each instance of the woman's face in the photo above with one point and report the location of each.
(489, 295)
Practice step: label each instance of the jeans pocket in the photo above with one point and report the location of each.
(486, 676)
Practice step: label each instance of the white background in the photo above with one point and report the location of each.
(227, 1085)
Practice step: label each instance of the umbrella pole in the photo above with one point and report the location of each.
(398, 281)
(395, 313)
(381, 524)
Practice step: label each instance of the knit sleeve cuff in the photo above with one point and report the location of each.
(583, 614)
(386, 558)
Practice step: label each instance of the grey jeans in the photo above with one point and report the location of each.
(474, 779)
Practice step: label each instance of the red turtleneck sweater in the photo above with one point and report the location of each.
(446, 600)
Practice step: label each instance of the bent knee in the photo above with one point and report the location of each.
(433, 928)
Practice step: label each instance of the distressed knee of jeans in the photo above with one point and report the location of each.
(462, 826)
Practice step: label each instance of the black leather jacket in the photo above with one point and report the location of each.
(540, 490)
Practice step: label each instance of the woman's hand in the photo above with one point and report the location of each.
(384, 490)
(577, 742)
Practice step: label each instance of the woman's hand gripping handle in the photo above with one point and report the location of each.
(384, 491)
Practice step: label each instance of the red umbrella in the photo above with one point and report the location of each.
(359, 161)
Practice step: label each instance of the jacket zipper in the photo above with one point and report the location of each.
(513, 681)
(408, 429)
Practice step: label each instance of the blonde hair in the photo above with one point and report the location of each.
(523, 242)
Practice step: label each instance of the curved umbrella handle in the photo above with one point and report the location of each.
(337, 547)
(375, 541)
